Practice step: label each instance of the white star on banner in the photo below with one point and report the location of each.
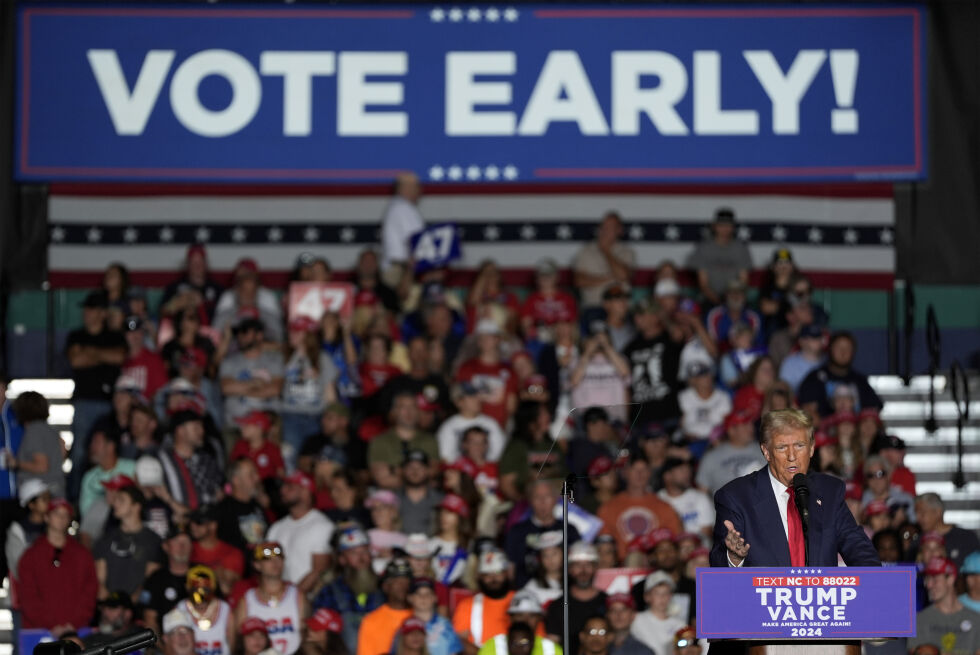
(455, 14)
(850, 236)
(274, 234)
(347, 234)
(491, 172)
(455, 172)
(563, 232)
(492, 14)
(528, 232)
(636, 232)
(473, 15)
(819, 571)
(510, 172)
(744, 233)
(94, 235)
(815, 234)
(473, 173)
(57, 234)
(166, 234)
(311, 234)
(436, 173)
(437, 15)
(130, 235)
(491, 233)
(672, 233)
(886, 236)
(779, 233)
(239, 234)
(202, 235)
(510, 14)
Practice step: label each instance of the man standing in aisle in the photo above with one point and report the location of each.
(401, 220)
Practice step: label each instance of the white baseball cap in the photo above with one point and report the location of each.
(657, 578)
(418, 546)
(149, 471)
(487, 326)
(581, 551)
(524, 602)
(666, 287)
(31, 489)
(174, 619)
(492, 561)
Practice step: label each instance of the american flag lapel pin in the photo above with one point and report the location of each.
(819, 502)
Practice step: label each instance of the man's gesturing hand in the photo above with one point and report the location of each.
(737, 548)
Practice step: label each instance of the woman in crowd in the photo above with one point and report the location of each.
(308, 385)
(115, 283)
(342, 348)
(454, 532)
(41, 451)
(546, 585)
(774, 294)
(757, 381)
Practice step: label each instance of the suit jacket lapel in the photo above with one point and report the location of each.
(772, 525)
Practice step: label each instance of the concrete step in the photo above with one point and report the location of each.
(928, 463)
(910, 410)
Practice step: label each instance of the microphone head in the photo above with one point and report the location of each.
(799, 480)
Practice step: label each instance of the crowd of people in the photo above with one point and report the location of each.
(245, 478)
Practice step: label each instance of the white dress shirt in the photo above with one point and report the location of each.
(781, 492)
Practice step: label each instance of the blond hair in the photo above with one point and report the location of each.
(781, 421)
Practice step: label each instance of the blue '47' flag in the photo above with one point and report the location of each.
(436, 246)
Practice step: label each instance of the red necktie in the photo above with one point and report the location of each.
(797, 549)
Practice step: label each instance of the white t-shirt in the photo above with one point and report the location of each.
(657, 634)
(693, 506)
(450, 436)
(702, 415)
(401, 220)
(301, 539)
(282, 620)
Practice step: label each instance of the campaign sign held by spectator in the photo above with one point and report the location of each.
(436, 246)
(314, 299)
(810, 602)
(619, 580)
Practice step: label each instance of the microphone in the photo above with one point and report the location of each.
(801, 494)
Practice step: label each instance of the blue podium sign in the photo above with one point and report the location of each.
(806, 603)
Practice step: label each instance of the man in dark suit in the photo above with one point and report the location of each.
(756, 522)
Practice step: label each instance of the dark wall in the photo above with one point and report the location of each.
(938, 221)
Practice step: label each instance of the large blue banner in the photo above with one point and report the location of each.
(472, 94)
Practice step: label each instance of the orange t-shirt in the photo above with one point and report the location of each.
(494, 619)
(626, 517)
(378, 630)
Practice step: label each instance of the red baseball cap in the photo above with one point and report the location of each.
(870, 412)
(875, 507)
(463, 465)
(426, 405)
(600, 466)
(246, 264)
(698, 552)
(852, 490)
(684, 536)
(300, 479)
(412, 624)
(55, 503)
(455, 504)
(932, 536)
(658, 536)
(821, 439)
(197, 249)
(253, 624)
(119, 481)
(844, 417)
(625, 599)
(255, 417)
(940, 566)
(740, 417)
(325, 619)
(302, 324)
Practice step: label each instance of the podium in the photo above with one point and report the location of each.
(803, 611)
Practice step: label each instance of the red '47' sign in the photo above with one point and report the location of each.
(314, 299)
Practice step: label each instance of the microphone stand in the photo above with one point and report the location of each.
(805, 521)
(567, 496)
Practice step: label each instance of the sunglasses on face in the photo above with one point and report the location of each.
(875, 475)
(597, 632)
(267, 553)
(684, 643)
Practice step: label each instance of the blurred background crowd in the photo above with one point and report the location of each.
(245, 476)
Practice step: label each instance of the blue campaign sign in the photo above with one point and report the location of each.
(435, 247)
(473, 94)
(810, 602)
